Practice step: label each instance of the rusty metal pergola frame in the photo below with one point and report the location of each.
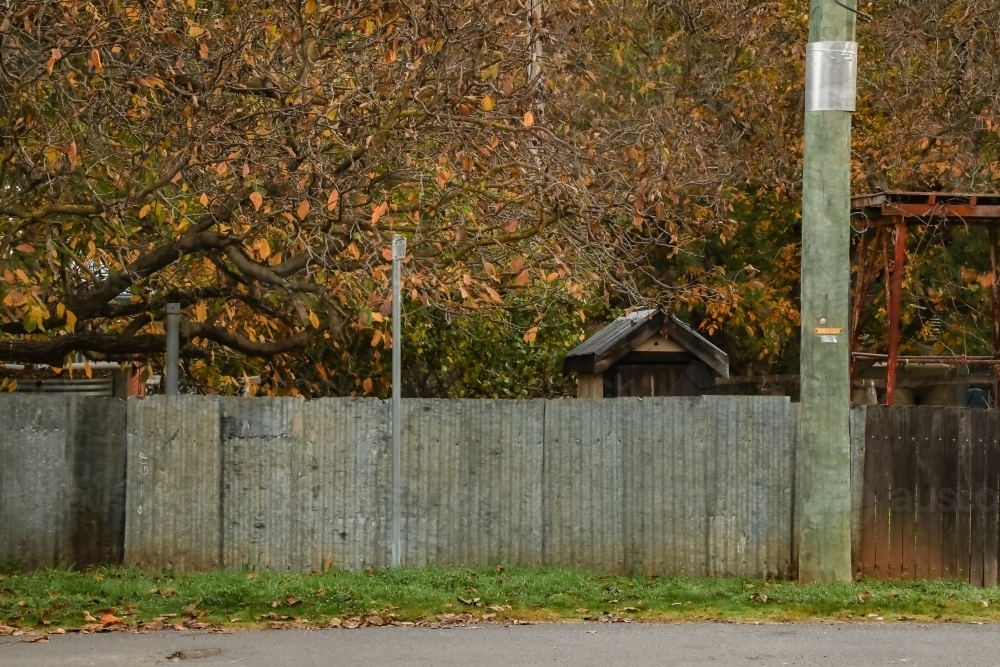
(891, 213)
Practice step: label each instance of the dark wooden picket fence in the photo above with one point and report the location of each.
(931, 492)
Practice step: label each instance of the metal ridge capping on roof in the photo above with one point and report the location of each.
(605, 342)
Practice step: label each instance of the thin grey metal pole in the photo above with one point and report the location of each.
(398, 253)
(173, 347)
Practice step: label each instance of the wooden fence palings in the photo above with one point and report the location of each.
(873, 439)
(963, 529)
(977, 479)
(931, 494)
(937, 509)
(949, 459)
(907, 484)
(925, 466)
(883, 568)
(898, 424)
(990, 509)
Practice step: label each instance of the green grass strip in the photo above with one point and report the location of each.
(61, 598)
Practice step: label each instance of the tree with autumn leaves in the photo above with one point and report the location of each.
(252, 160)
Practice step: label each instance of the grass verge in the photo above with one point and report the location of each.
(120, 598)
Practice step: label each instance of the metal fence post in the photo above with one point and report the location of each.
(398, 253)
(173, 347)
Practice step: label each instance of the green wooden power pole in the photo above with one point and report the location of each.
(824, 458)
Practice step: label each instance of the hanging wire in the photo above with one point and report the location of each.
(861, 15)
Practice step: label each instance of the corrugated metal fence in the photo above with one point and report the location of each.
(697, 486)
(62, 480)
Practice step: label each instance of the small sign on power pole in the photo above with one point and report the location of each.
(398, 253)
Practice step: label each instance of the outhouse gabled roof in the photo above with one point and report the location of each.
(607, 346)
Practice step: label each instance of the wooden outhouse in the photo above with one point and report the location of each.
(646, 353)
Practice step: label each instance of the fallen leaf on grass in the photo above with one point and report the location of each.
(335, 623)
(274, 617)
(581, 610)
(109, 619)
(193, 611)
(292, 601)
(6, 630)
(375, 620)
(153, 625)
(88, 618)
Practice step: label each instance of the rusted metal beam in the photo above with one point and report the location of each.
(895, 303)
(955, 360)
(929, 207)
(980, 379)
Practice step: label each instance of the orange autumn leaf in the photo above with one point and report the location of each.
(53, 59)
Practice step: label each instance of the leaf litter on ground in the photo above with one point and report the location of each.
(124, 599)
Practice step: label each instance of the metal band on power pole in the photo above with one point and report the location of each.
(831, 76)
(173, 348)
(398, 253)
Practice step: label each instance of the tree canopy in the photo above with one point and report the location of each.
(548, 164)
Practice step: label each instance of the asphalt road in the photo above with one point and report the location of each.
(553, 645)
